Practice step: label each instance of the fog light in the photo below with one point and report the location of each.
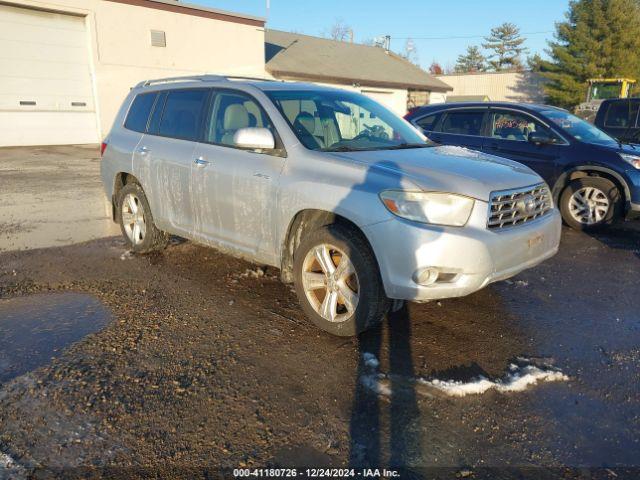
(426, 276)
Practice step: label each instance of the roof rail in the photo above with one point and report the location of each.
(190, 78)
(196, 78)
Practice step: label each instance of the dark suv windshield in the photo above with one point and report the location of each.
(343, 121)
(578, 128)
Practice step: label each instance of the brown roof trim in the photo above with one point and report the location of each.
(281, 75)
(194, 11)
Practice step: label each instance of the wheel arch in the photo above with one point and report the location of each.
(591, 171)
(307, 220)
(121, 179)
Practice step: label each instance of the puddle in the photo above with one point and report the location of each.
(36, 328)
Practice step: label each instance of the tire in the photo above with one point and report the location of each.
(372, 303)
(149, 238)
(597, 191)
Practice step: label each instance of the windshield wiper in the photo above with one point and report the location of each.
(402, 146)
(341, 148)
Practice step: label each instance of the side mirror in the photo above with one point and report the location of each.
(254, 138)
(540, 138)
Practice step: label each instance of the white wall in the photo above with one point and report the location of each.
(121, 55)
(394, 99)
(499, 87)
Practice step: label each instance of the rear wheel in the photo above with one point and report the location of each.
(337, 281)
(136, 221)
(590, 203)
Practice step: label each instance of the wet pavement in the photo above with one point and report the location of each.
(34, 329)
(208, 361)
(52, 196)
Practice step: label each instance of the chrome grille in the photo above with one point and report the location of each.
(515, 207)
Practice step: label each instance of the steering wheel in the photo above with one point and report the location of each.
(361, 136)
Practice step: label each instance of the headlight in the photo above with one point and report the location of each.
(632, 159)
(429, 207)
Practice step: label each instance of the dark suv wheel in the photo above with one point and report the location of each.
(136, 221)
(337, 281)
(590, 203)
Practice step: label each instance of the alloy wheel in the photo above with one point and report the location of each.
(133, 219)
(330, 283)
(589, 205)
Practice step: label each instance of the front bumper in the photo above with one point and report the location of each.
(470, 257)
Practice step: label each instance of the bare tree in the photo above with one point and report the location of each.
(339, 31)
(410, 51)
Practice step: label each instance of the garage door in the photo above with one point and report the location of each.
(46, 93)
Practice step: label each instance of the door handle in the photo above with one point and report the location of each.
(200, 162)
(144, 150)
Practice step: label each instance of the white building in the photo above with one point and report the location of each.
(66, 65)
(496, 86)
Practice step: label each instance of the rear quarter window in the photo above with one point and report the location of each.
(138, 116)
(428, 123)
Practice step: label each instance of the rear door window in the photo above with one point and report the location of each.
(463, 122)
(509, 125)
(182, 116)
(622, 114)
(138, 116)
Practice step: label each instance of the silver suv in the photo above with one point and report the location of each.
(348, 200)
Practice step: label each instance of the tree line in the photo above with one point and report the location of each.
(597, 39)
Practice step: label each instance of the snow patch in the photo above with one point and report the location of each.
(6, 461)
(518, 379)
(521, 375)
(370, 360)
(372, 378)
(126, 255)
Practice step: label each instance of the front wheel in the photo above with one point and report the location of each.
(590, 203)
(337, 281)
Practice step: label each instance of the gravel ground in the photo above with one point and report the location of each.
(208, 362)
(179, 364)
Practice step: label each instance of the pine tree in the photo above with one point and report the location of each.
(506, 44)
(598, 39)
(471, 61)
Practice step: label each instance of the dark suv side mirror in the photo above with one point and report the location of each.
(540, 138)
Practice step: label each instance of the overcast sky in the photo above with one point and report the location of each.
(435, 26)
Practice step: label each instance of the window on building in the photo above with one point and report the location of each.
(464, 122)
(182, 115)
(139, 112)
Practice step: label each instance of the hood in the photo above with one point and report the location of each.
(450, 169)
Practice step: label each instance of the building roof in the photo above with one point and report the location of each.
(176, 6)
(303, 57)
(467, 98)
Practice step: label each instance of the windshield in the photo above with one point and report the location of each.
(344, 121)
(578, 128)
(603, 91)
